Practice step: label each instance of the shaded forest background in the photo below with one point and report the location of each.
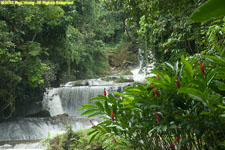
(44, 46)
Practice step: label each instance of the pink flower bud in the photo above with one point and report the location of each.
(92, 123)
(112, 116)
(114, 140)
(158, 77)
(178, 83)
(156, 92)
(202, 69)
(157, 117)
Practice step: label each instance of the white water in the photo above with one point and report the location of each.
(66, 100)
(137, 76)
(89, 82)
(58, 101)
(15, 132)
(38, 128)
(31, 145)
(140, 72)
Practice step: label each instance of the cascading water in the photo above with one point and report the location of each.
(66, 100)
(37, 128)
(62, 103)
(140, 72)
(137, 76)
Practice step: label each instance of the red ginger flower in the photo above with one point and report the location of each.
(202, 69)
(158, 77)
(112, 116)
(152, 85)
(156, 92)
(114, 140)
(92, 123)
(104, 92)
(176, 140)
(178, 83)
(172, 146)
(157, 117)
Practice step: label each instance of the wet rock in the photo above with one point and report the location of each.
(62, 115)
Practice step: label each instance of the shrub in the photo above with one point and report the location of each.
(183, 107)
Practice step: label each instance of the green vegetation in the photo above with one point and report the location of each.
(44, 46)
(182, 107)
(165, 26)
(79, 140)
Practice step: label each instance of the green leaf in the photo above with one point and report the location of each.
(100, 106)
(164, 128)
(89, 111)
(206, 113)
(194, 97)
(190, 91)
(208, 83)
(176, 67)
(220, 77)
(132, 89)
(168, 64)
(106, 123)
(107, 108)
(95, 114)
(111, 98)
(92, 132)
(206, 94)
(167, 78)
(216, 59)
(187, 67)
(99, 97)
(220, 70)
(92, 137)
(119, 94)
(87, 106)
(221, 106)
(125, 102)
(222, 87)
(209, 10)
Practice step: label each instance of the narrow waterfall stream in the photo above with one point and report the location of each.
(141, 72)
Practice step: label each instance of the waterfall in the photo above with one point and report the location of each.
(141, 72)
(26, 133)
(62, 103)
(138, 76)
(38, 128)
(66, 100)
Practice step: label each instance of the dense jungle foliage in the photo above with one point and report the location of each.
(166, 27)
(43, 46)
(182, 107)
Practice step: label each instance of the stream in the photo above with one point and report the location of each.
(62, 104)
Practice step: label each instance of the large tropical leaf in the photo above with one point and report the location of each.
(209, 10)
